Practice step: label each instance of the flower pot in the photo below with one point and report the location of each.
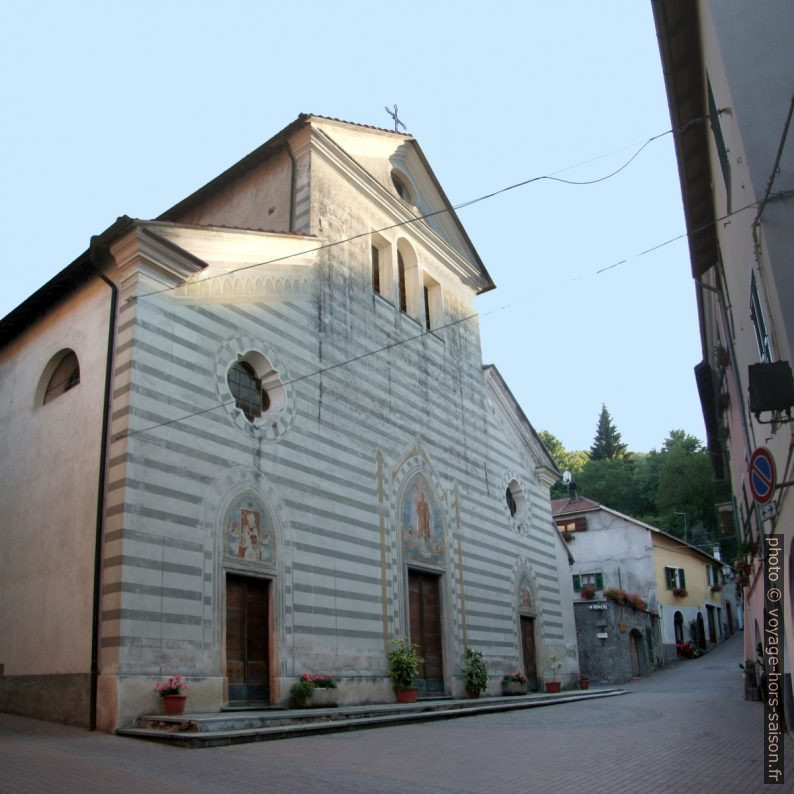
(405, 695)
(514, 688)
(473, 693)
(584, 683)
(552, 686)
(174, 704)
(324, 697)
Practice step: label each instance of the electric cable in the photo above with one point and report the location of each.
(549, 177)
(450, 324)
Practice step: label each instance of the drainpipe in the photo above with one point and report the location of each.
(292, 180)
(100, 502)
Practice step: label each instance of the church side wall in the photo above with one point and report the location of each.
(48, 503)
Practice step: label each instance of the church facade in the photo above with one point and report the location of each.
(254, 438)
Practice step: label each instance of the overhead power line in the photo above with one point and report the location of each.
(451, 324)
(551, 177)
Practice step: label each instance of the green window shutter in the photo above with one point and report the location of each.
(577, 583)
(683, 578)
(599, 581)
(669, 575)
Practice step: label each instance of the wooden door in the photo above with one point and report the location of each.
(246, 639)
(528, 652)
(425, 617)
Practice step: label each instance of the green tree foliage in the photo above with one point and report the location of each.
(606, 445)
(663, 488)
(573, 462)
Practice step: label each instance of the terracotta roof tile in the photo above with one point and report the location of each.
(561, 507)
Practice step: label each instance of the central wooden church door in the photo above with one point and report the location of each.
(425, 612)
(246, 639)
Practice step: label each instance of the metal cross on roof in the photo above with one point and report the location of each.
(397, 121)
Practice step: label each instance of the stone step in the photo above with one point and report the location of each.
(225, 728)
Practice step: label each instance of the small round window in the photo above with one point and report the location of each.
(249, 396)
(256, 387)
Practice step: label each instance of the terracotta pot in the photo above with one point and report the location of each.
(473, 693)
(405, 695)
(584, 683)
(174, 704)
(553, 686)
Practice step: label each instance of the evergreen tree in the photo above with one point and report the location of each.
(606, 445)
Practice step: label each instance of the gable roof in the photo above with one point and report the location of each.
(279, 143)
(560, 507)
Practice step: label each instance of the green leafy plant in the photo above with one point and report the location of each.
(553, 666)
(404, 661)
(514, 678)
(475, 671)
(301, 691)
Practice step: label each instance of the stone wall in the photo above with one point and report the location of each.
(604, 633)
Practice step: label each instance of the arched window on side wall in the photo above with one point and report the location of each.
(65, 376)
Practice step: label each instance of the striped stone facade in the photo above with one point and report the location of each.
(369, 411)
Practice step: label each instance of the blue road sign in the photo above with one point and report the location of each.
(762, 475)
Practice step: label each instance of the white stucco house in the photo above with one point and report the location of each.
(254, 437)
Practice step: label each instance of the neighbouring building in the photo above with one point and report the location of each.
(728, 71)
(638, 591)
(254, 438)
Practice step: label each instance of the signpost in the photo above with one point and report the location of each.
(762, 475)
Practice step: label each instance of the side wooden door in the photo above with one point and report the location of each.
(528, 652)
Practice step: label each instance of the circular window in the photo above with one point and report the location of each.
(254, 389)
(515, 500)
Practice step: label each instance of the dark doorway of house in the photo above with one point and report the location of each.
(528, 652)
(247, 639)
(634, 640)
(425, 610)
(712, 623)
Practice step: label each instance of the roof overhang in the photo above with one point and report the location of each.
(678, 30)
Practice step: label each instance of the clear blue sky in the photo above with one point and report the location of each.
(118, 108)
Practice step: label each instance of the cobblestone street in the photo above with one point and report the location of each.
(684, 729)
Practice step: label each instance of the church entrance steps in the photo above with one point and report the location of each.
(237, 727)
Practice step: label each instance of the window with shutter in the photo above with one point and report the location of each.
(577, 583)
(599, 581)
(669, 575)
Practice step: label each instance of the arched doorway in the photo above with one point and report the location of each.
(635, 646)
(701, 632)
(678, 626)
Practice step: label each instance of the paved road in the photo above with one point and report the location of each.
(685, 729)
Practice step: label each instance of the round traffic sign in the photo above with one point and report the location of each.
(762, 475)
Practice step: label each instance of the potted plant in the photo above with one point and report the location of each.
(475, 673)
(751, 689)
(170, 691)
(300, 693)
(514, 683)
(314, 691)
(680, 592)
(553, 667)
(584, 682)
(588, 592)
(404, 661)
